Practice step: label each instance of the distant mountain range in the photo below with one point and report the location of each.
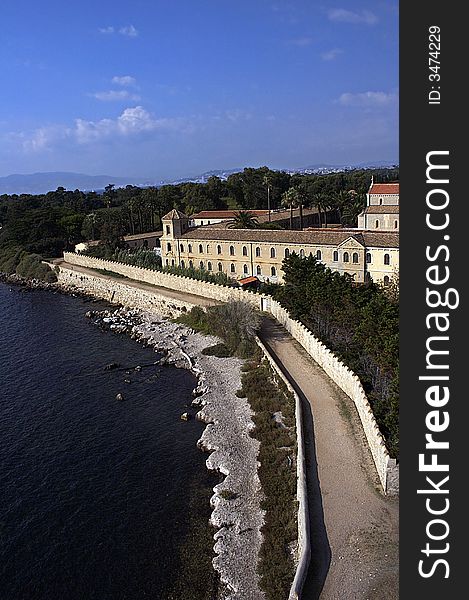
(41, 183)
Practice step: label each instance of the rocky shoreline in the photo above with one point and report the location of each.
(236, 513)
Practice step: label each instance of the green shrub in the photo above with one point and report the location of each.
(277, 473)
(218, 350)
(235, 323)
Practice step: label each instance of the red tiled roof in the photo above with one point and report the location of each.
(224, 214)
(384, 188)
(142, 236)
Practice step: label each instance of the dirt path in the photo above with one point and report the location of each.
(353, 526)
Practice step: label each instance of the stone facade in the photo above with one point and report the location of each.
(258, 252)
(382, 208)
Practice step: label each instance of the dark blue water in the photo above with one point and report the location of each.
(94, 493)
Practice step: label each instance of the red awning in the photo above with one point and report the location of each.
(247, 280)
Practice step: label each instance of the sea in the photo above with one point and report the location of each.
(100, 499)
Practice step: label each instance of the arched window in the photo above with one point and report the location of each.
(245, 269)
(355, 258)
(272, 253)
(181, 247)
(218, 249)
(287, 252)
(208, 249)
(209, 266)
(387, 259)
(380, 201)
(386, 280)
(232, 251)
(302, 253)
(220, 267)
(168, 229)
(318, 254)
(346, 257)
(273, 271)
(368, 257)
(201, 249)
(183, 264)
(172, 262)
(335, 256)
(395, 224)
(232, 268)
(245, 251)
(201, 265)
(258, 270)
(376, 224)
(167, 262)
(191, 265)
(189, 248)
(168, 247)
(258, 251)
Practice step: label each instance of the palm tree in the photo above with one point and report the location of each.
(323, 204)
(243, 219)
(302, 199)
(291, 198)
(267, 182)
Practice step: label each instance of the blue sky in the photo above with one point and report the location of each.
(168, 88)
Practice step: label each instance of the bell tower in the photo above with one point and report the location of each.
(175, 224)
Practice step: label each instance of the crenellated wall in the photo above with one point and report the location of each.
(167, 280)
(387, 468)
(119, 293)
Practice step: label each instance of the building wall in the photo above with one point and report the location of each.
(385, 221)
(248, 257)
(383, 199)
(149, 242)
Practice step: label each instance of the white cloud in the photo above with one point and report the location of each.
(132, 122)
(115, 96)
(331, 54)
(238, 114)
(347, 16)
(42, 138)
(129, 31)
(126, 30)
(368, 99)
(125, 81)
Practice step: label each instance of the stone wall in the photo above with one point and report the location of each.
(166, 280)
(120, 293)
(304, 542)
(348, 382)
(387, 468)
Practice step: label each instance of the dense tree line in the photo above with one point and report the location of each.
(48, 224)
(360, 323)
